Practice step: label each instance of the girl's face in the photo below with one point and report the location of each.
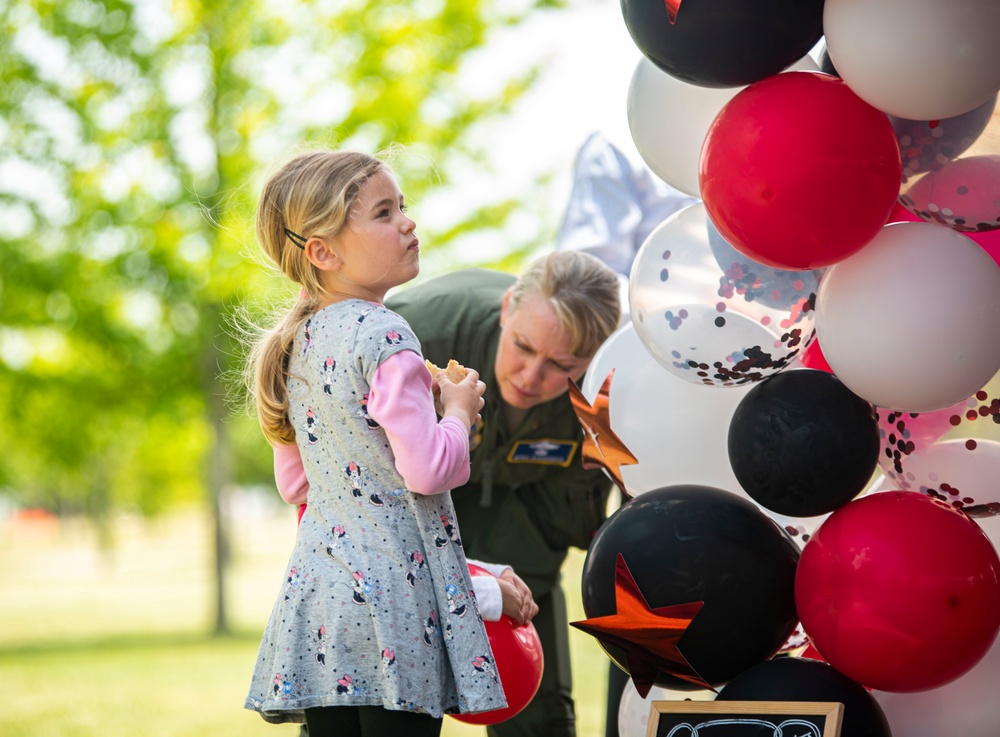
(533, 356)
(378, 243)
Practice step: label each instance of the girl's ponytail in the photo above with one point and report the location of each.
(269, 359)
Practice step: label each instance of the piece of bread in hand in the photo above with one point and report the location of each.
(454, 371)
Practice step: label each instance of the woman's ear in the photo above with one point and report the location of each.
(322, 254)
(503, 306)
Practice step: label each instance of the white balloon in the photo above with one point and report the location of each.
(668, 119)
(966, 707)
(910, 321)
(633, 710)
(711, 315)
(677, 431)
(916, 59)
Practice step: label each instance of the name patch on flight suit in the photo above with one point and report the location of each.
(544, 451)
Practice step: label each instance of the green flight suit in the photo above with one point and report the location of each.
(528, 498)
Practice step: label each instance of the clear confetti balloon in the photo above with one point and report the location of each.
(951, 168)
(960, 472)
(708, 313)
(926, 145)
(963, 194)
(902, 433)
(952, 454)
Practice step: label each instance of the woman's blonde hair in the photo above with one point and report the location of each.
(309, 196)
(582, 291)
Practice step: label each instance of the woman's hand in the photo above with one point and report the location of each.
(518, 603)
(462, 400)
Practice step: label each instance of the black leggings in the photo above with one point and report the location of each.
(369, 721)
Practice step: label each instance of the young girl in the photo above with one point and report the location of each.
(363, 640)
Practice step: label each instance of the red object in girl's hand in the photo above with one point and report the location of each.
(517, 651)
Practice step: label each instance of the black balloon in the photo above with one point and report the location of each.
(692, 543)
(802, 444)
(802, 679)
(724, 43)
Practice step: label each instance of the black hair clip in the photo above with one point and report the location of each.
(295, 238)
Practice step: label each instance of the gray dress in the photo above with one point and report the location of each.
(377, 608)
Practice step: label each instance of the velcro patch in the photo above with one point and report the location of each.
(545, 451)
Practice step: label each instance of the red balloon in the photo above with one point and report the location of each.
(899, 591)
(517, 651)
(812, 653)
(798, 172)
(812, 357)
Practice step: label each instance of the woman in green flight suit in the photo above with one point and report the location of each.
(528, 499)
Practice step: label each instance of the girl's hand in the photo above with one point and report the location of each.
(462, 400)
(518, 604)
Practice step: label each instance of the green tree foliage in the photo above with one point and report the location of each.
(133, 138)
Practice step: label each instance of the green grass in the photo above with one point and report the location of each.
(115, 643)
(184, 686)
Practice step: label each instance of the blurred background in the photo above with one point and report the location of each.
(141, 537)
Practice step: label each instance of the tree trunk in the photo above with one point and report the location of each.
(218, 461)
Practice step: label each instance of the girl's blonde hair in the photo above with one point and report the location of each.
(310, 196)
(582, 291)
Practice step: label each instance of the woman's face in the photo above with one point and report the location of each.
(534, 358)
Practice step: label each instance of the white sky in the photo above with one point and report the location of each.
(584, 86)
(587, 58)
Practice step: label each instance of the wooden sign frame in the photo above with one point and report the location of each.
(732, 713)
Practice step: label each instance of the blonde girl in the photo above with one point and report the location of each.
(361, 641)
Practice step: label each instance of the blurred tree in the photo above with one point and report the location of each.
(133, 137)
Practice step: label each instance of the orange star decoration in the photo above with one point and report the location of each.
(649, 637)
(601, 447)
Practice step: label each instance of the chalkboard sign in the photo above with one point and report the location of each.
(744, 719)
